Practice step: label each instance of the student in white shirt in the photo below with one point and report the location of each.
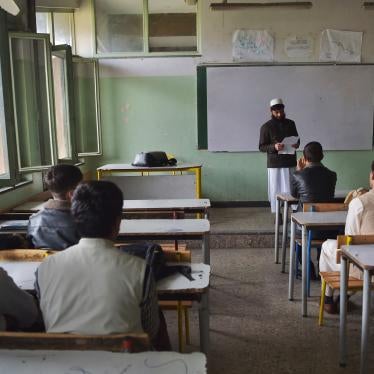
(360, 221)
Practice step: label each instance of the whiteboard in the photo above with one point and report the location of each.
(332, 104)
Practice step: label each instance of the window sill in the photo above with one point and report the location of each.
(146, 55)
(12, 188)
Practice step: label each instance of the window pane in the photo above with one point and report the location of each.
(4, 165)
(42, 23)
(119, 26)
(172, 26)
(61, 108)
(32, 105)
(86, 104)
(62, 28)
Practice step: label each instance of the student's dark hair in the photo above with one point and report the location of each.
(313, 152)
(12, 241)
(62, 178)
(372, 166)
(96, 206)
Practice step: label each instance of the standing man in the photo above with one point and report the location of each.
(280, 166)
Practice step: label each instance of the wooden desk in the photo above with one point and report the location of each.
(287, 201)
(308, 220)
(167, 229)
(175, 287)
(138, 206)
(178, 287)
(363, 257)
(115, 169)
(26, 361)
(167, 205)
(14, 226)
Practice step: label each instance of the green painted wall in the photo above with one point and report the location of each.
(159, 113)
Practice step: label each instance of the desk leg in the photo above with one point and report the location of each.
(276, 239)
(343, 311)
(365, 321)
(291, 273)
(284, 235)
(206, 249)
(204, 323)
(304, 295)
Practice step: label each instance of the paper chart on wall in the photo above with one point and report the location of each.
(253, 45)
(299, 46)
(340, 46)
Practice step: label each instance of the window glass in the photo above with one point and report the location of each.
(61, 108)
(62, 28)
(119, 25)
(32, 105)
(42, 23)
(87, 117)
(4, 165)
(172, 26)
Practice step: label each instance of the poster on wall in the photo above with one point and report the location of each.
(340, 46)
(299, 46)
(253, 45)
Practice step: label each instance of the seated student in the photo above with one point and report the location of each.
(312, 182)
(360, 221)
(53, 226)
(92, 287)
(18, 309)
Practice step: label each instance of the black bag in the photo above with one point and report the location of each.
(155, 260)
(153, 159)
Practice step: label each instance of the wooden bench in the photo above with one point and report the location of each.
(133, 342)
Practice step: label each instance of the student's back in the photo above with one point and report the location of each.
(315, 183)
(91, 288)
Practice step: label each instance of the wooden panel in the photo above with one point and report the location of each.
(324, 207)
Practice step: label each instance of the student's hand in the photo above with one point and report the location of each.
(296, 145)
(300, 163)
(279, 146)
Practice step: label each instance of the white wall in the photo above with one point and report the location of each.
(217, 28)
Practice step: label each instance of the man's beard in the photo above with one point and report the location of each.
(280, 118)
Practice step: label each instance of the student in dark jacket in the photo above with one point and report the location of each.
(312, 182)
(53, 226)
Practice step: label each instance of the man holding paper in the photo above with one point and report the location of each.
(279, 139)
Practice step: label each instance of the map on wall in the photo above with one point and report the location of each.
(340, 46)
(252, 45)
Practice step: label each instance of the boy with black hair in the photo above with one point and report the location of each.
(312, 182)
(53, 226)
(93, 287)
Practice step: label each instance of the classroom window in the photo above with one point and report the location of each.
(60, 26)
(119, 26)
(32, 100)
(64, 102)
(87, 107)
(172, 26)
(146, 27)
(4, 164)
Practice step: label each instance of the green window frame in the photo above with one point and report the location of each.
(87, 107)
(33, 101)
(62, 68)
(146, 29)
(8, 144)
(51, 24)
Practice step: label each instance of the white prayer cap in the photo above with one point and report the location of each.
(274, 102)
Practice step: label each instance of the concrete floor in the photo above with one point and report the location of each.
(253, 326)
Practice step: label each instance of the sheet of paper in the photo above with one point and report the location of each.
(252, 45)
(340, 46)
(288, 149)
